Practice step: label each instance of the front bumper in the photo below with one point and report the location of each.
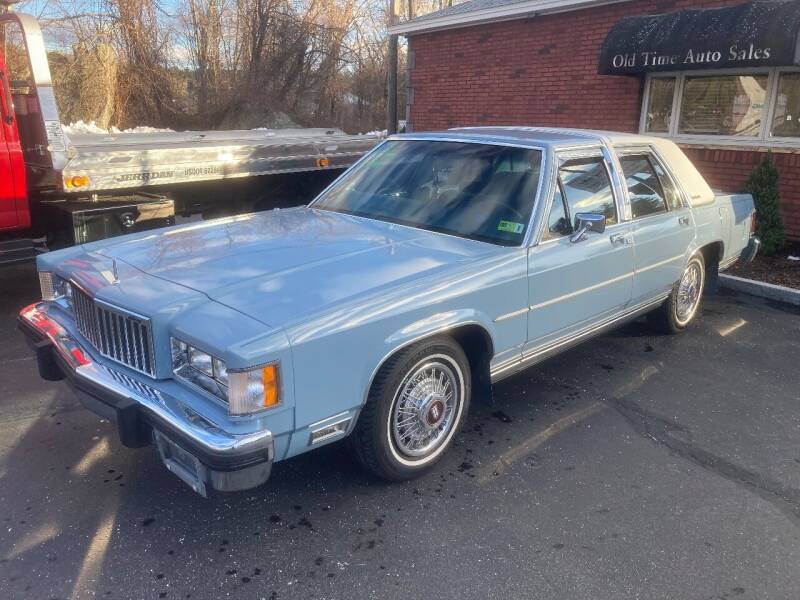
(198, 451)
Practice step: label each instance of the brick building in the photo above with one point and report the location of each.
(538, 62)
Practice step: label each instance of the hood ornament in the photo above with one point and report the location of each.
(111, 276)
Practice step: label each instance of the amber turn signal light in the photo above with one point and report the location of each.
(269, 377)
(77, 181)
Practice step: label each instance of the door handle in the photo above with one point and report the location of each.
(620, 239)
(683, 221)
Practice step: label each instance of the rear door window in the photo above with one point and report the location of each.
(645, 191)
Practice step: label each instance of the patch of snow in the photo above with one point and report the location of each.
(91, 127)
(378, 132)
(82, 127)
(142, 129)
(790, 257)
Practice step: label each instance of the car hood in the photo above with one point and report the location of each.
(276, 266)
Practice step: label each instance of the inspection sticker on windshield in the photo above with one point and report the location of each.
(510, 227)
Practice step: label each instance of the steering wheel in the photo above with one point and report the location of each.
(510, 208)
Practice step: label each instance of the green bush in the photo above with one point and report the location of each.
(763, 185)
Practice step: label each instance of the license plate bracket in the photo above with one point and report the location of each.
(182, 463)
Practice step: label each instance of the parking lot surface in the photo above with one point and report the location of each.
(634, 466)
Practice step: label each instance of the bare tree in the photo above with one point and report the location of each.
(223, 63)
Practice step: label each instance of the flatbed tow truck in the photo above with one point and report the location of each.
(59, 188)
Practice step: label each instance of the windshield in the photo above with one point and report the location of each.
(476, 191)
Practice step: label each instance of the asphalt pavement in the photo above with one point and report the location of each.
(633, 466)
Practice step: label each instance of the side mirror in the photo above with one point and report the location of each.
(585, 222)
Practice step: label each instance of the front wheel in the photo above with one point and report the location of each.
(417, 403)
(681, 306)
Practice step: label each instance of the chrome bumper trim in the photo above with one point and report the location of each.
(160, 407)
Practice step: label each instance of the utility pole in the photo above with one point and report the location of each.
(391, 117)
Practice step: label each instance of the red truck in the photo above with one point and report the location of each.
(59, 188)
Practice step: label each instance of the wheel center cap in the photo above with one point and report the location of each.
(434, 413)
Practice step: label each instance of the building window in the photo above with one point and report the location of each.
(723, 105)
(761, 106)
(659, 109)
(786, 118)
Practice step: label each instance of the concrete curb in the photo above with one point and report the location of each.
(780, 293)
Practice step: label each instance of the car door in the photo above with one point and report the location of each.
(661, 224)
(575, 284)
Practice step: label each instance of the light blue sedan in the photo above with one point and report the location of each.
(438, 264)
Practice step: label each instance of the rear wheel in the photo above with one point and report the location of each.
(417, 403)
(681, 306)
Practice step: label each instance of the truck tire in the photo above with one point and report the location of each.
(417, 403)
(681, 307)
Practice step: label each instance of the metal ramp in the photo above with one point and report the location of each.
(20, 251)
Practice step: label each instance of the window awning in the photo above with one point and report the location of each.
(763, 33)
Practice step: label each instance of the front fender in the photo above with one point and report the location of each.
(337, 353)
(436, 324)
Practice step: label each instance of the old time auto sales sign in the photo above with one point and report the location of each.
(692, 58)
(757, 34)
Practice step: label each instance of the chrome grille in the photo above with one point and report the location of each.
(115, 333)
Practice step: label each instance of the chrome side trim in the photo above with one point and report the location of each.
(660, 263)
(582, 291)
(551, 348)
(511, 315)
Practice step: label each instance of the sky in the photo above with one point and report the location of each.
(45, 8)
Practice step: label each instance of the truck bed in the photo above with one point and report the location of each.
(132, 160)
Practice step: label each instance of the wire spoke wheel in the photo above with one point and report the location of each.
(416, 404)
(689, 290)
(425, 407)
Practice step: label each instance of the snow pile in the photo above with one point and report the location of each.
(142, 129)
(381, 132)
(79, 127)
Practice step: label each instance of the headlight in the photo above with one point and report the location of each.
(246, 392)
(200, 361)
(54, 287)
(199, 368)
